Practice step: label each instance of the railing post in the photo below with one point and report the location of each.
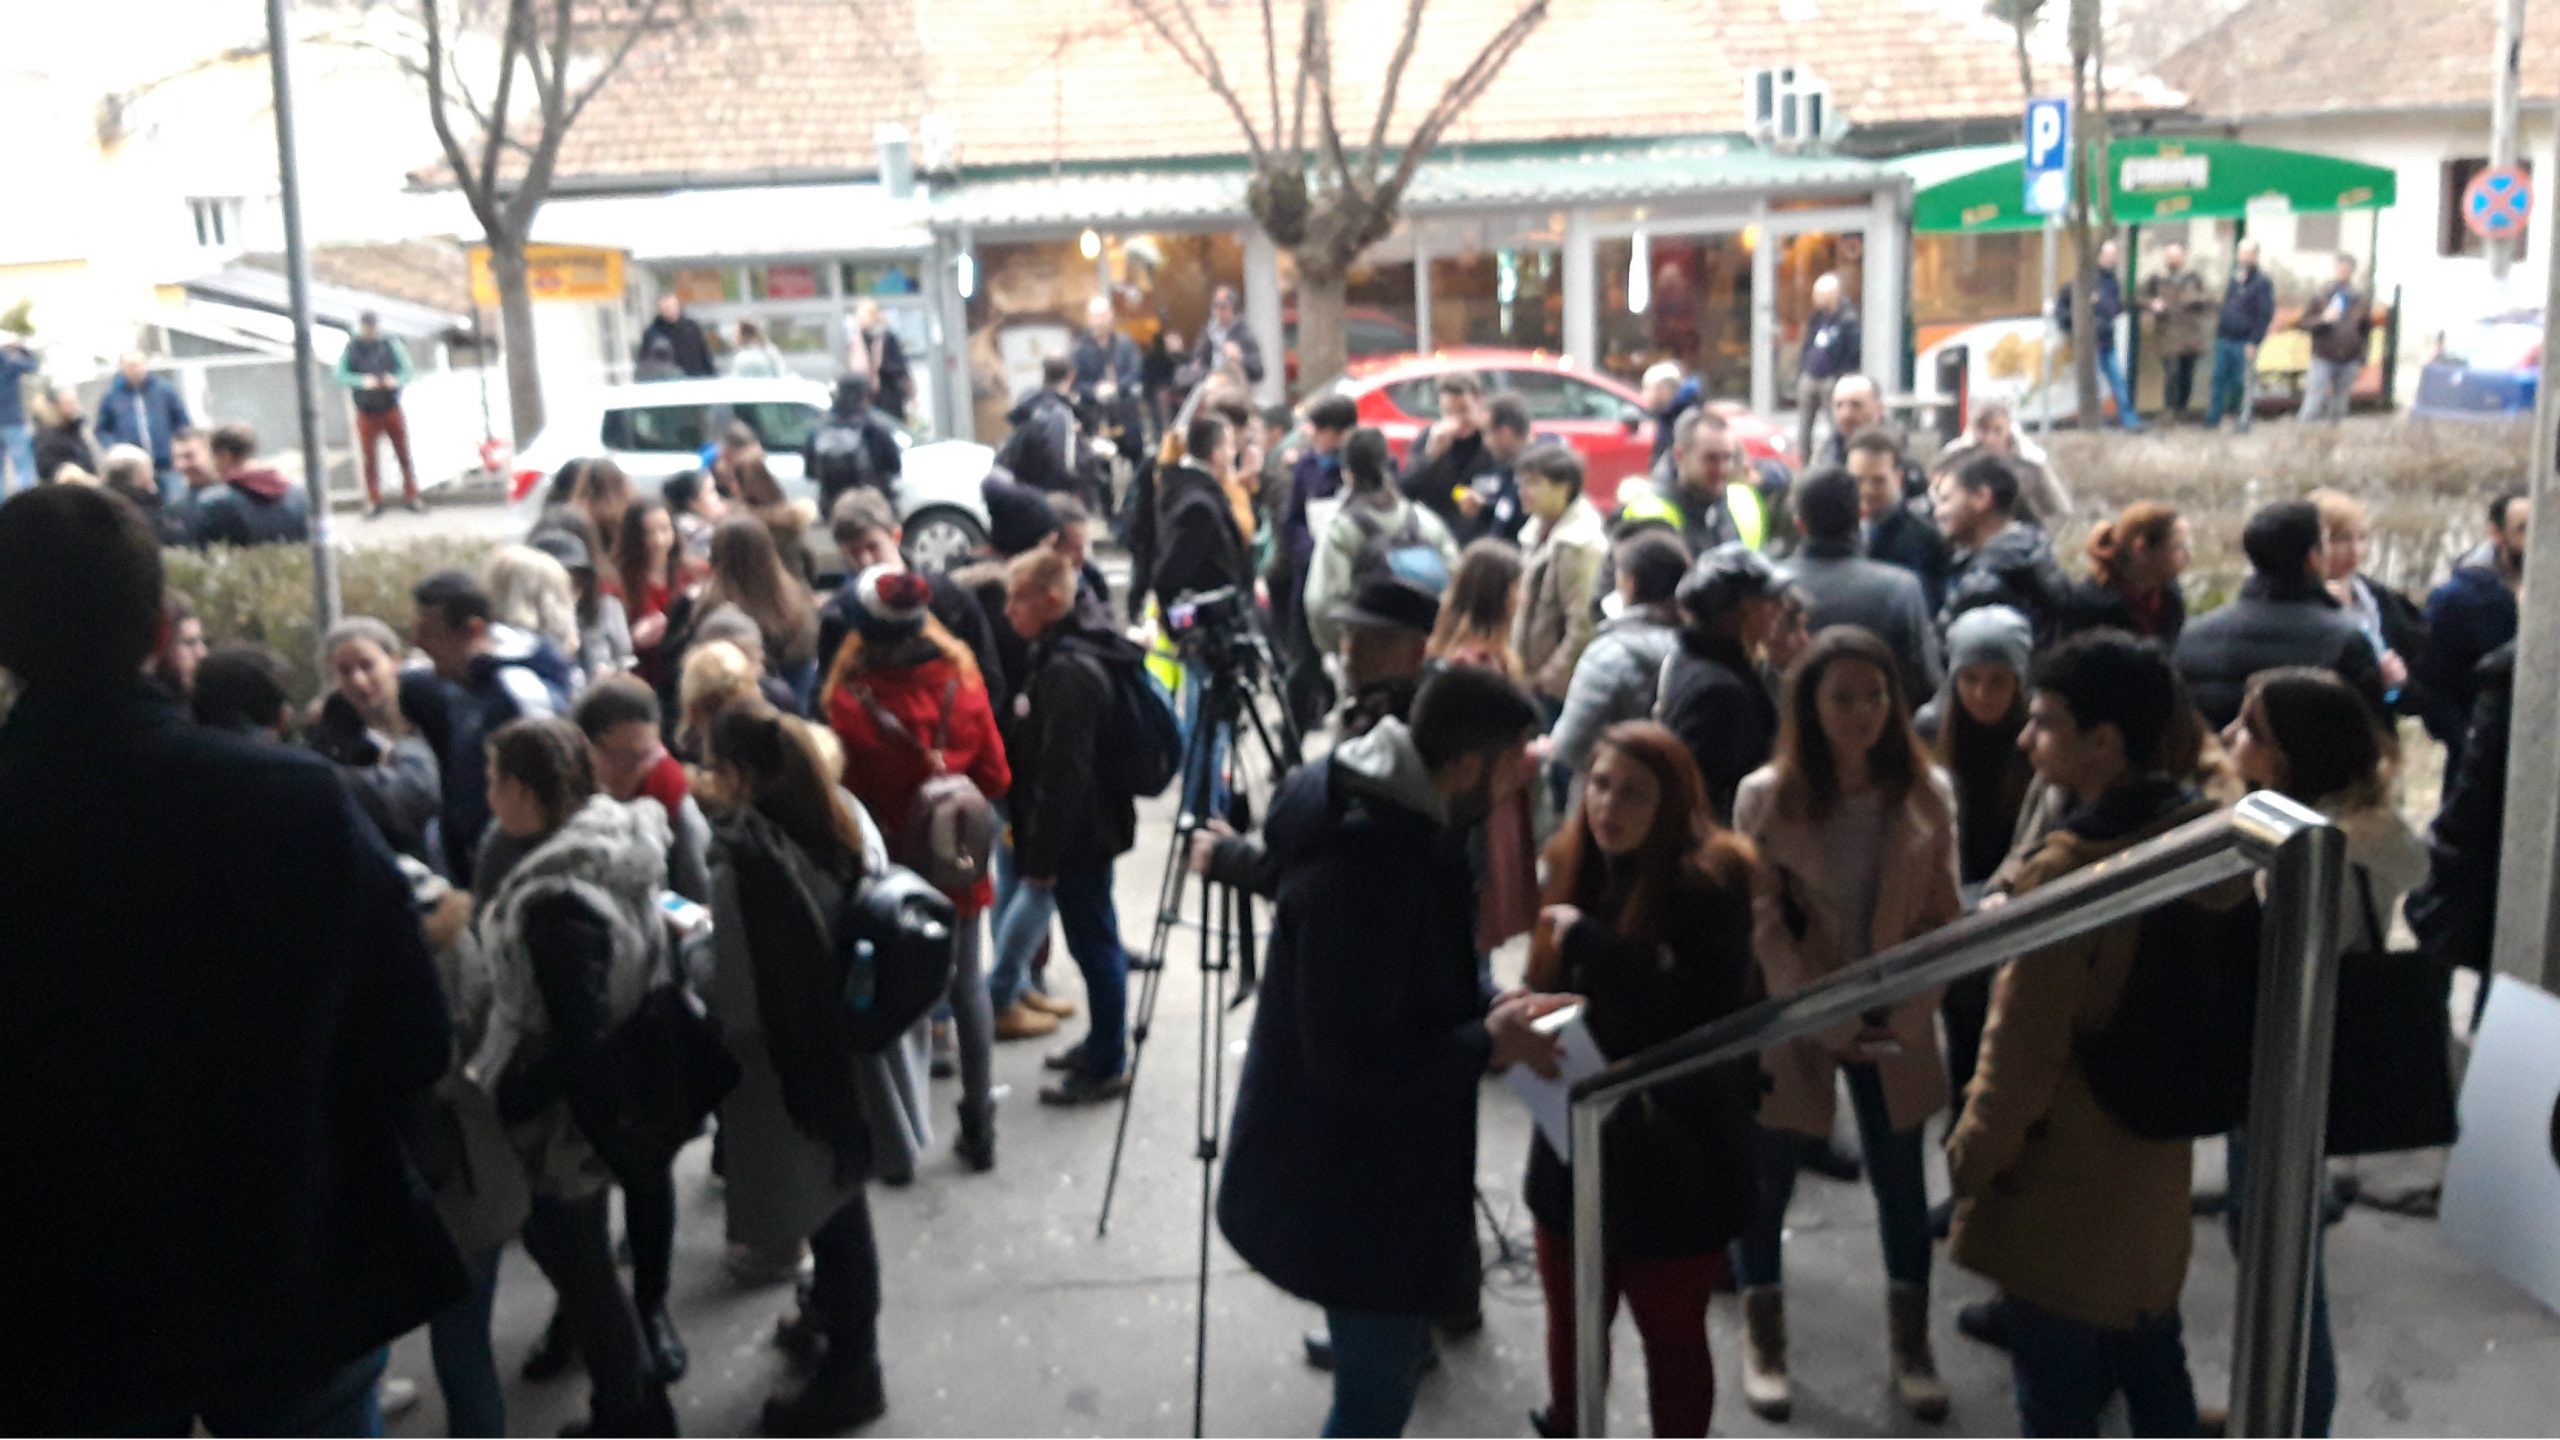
(1590, 1275)
(2287, 1130)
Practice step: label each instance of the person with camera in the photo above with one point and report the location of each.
(1351, 1164)
(1199, 548)
(798, 1144)
(1068, 825)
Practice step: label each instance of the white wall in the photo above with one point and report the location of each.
(2437, 291)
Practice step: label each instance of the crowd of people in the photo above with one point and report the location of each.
(442, 949)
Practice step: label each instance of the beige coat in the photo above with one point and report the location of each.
(1916, 893)
(2056, 1202)
(1556, 620)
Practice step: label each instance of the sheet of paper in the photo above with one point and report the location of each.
(2502, 1189)
(1550, 1102)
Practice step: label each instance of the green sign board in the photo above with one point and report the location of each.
(1982, 188)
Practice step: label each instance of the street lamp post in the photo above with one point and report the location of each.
(297, 269)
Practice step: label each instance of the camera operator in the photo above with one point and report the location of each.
(1196, 548)
(1350, 1172)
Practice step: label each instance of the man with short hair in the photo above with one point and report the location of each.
(254, 505)
(1491, 505)
(1351, 1164)
(867, 535)
(1567, 546)
(619, 716)
(1996, 558)
(1107, 380)
(1068, 828)
(143, 409)
(2181, 311)
(373, 367)
(681, 337)
(211, 1217)
(1857, 407)
(1226, 340)
(2082, 1224)
(498, 673)
(852, 448)
(1843, 589)
(1042, 450)
(1668, 395)
(1441, 472)
(1892, 529)
(2340, 319)
(2248, 311)
(1833, 348)
(191, 456)
(2284, 616)
(1704, 506)
(2106, 306)
(2470, 615)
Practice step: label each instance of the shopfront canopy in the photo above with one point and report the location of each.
(1982, 188)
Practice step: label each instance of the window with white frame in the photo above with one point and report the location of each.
(216, 221)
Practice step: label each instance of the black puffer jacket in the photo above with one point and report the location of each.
(2096, 605)
(1064, 821)
(2455, 913)
(1198, 546)
(1901, 536)
(1714, 700)
(2015, 568)
(2273, 624)
(1678, 1178)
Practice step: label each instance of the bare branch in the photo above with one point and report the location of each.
(1461, 93)
(494, 133)
(1319, 63)
(477, 193)
(1395, 80)
(1307, 28)
(1202, 61)
(1271, 66)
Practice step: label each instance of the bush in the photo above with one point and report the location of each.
(262, 595)
(2426, 484)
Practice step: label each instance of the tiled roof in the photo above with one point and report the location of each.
(2315, 57)
(797, 88)
(433, 274)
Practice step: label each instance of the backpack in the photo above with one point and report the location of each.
(1399, 554)
(2173, 1062)
(839, 460)
(1141, 740)
(951, 828)
(892, 936)
(1041, 451)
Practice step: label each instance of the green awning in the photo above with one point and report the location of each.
(1982, 188)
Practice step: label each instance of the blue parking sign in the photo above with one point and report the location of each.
(2048, 156)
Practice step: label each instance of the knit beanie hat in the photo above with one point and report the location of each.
(1018, 517)
(889, 604)
(1990, 635)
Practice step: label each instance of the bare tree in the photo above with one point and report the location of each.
(1324, 197)
(503, 145)
(2088, 182)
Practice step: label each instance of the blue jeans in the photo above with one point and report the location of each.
(1022, 917)
(475, 1403)
(2111, 365)
(1092, 924)
(2066, 1371)
(1377, 1367)
(2320, 1378)
(2235, 383)
(1894, 1173)
(2328, 388)
(18, 449)
(340, 1404)
(1204, 773)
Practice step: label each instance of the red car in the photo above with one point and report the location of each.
(1600, 416)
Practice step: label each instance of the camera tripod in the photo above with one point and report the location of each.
(1237, 682)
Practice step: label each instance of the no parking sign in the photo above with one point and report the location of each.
(2496, 203)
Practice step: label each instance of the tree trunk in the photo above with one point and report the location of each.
(515, 329)
(2084, 241)
(1323, 346)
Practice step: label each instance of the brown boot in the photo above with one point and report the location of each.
(1048, 1004)
(1915, 1367)
(1021, 1022)
(1764, 1353)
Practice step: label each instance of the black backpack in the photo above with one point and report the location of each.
(2173, 1062)
(839, 460)
(892, 933)
(1141, 740)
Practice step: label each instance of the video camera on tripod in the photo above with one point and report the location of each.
(1214, 629)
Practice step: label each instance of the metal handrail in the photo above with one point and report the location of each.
(2297, 995)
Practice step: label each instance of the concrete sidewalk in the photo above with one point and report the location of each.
(1004, 1315)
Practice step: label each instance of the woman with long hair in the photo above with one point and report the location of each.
(374, 724)
(797, 1140)
(747, 571)
(1648, 905)
(2392, 622)
(2303, 732)
(1475, 628)
(2134, 564)
(908, 703)
(574, 940)
(788, 519)
(1857, 840)
(647, 561)
(531, 590)
(603, 492)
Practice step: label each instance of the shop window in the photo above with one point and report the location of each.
(880, 277)
(2452, 236)
(1696, 308)
(700, 284)
(1509, 299)
(787, 282)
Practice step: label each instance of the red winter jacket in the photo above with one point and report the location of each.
(885, 771)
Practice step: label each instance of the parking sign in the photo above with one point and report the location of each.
(2048, 165)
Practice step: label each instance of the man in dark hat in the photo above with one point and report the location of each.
(373, 367)
(1385, 630)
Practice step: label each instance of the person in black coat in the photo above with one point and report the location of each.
(210, 1214)
(1712, 695)
(1198, 546)
(64, 440)
(1890, 530)
(2455, 913)
(1453, 454)
(1350, 1168)
(2468, 617)
(1648, 918)
(2284, 616)
(679, 337)
(1997, 559)
(2135, 560)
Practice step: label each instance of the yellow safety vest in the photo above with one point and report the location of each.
(1741, 500)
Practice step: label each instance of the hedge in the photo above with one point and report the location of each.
(262, 595)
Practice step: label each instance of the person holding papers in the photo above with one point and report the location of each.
(1648, 917)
